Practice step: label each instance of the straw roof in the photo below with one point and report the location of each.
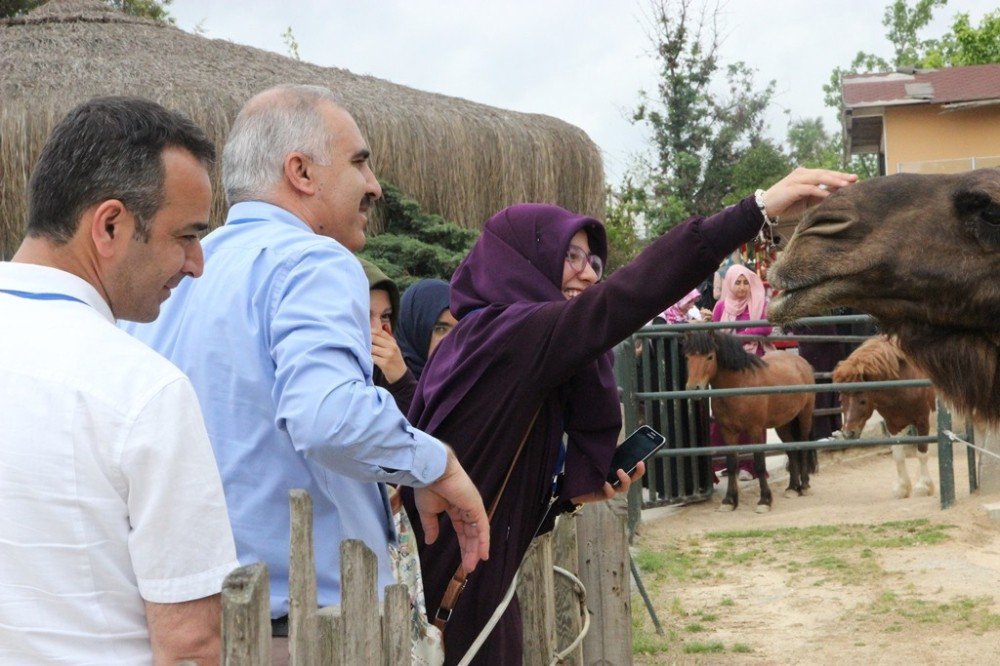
(458, 158)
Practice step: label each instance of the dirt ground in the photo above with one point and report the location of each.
(912, 612)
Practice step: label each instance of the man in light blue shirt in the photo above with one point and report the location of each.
(276, 339)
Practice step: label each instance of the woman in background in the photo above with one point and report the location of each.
(423, 322)
(742, 299)
(390, 371)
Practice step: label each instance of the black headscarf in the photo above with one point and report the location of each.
(421, 306)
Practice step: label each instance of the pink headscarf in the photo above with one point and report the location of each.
(678, 312)
(755, 303)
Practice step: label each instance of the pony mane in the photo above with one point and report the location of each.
(729, 352)
(877, 359)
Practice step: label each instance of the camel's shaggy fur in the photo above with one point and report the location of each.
(921, 253)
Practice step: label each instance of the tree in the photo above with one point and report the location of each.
(153, 9)
(810, 146)
(967, 45)
(699, 135)
(415, 244)
(291, 44)
(762, 165)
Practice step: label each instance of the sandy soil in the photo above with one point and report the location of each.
(784, 621)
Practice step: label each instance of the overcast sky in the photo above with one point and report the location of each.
(583, 61)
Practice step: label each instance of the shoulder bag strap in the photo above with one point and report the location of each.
(458, 579)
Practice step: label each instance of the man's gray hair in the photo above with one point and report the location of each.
(274, 123)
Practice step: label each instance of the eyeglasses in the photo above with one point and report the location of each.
(579, 259)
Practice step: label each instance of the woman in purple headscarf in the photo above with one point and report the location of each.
(533, 338)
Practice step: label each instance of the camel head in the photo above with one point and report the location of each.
(920, 253)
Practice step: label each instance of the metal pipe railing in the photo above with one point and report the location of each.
(791, 388)
(659, 334)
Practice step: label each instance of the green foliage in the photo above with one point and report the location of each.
(699, 136)
(291, 44)
(903, 25)
(967, 45)
(415, 244)
(708, 647)
(17, 7)
(810, 146)
(154, 9)
(761, 166)
(619, 223)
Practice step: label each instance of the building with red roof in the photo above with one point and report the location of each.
(924, 121)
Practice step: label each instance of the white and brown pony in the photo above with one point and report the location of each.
(880, 359)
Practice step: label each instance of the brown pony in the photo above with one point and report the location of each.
(720, 360)
(880, 359)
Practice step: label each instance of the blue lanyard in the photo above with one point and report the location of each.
(42, 296)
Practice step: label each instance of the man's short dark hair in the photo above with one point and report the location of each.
(108, 148)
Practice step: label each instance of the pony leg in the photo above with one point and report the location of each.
(808, 459)
(732, 498)
(925, 485)
(795, 475)
(760, 467)
(903, 487)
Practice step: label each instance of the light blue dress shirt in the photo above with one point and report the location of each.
(275, 337)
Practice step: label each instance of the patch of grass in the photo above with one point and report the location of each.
(741, 648)
(676, 608)
(708, 617)
(727, 601)
(842, 553)
(644, 639)
(673, 563)
(710, 647)
(972, 613)
(695, 628)
(644, 642)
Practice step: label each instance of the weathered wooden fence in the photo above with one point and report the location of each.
(362, 630)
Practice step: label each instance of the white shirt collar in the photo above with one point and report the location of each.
(46, 279)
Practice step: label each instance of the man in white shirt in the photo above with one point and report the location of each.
(114, 538)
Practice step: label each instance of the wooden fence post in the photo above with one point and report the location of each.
(330, 637)
(359, 604)
(301, 580)
(604, 569)
(538, 610)
(246, 617)
(396, 625)
(564, 555)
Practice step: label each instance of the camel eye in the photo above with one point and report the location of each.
(991, 215)
(710, 357)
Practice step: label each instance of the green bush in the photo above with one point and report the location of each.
(415, 244)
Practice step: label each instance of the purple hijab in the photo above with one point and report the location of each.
(513, 272)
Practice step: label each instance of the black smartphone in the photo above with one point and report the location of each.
(638, 446)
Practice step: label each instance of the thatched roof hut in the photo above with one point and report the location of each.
(460, 159)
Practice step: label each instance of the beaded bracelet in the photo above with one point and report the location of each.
(758, 198)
